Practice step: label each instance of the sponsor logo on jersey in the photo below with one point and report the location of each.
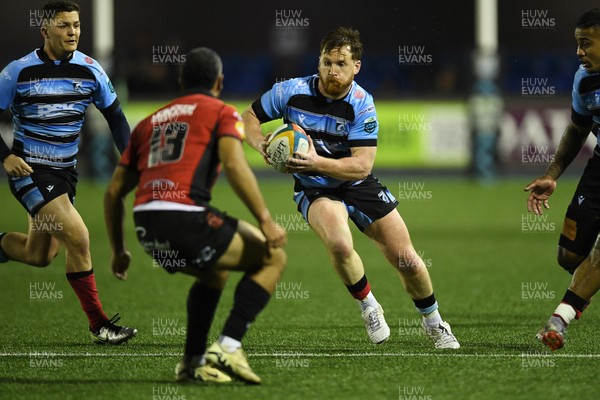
(110, 85)
(370, 124)
(239, 127)
(371, 108)
(172, 113)
(89, 60)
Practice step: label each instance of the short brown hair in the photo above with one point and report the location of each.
(341, 37)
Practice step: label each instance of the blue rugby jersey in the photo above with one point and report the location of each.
(585, 107)
(335, 126)
(48, 100)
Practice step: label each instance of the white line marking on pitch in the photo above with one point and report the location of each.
(309, 355)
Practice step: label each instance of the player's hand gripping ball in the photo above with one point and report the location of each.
(283, 142)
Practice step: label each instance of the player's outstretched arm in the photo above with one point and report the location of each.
(243, 182)
(253, 131)
(570, 144)
(123, 181)
(542, 188)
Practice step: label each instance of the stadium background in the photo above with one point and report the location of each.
(423, 105)
(492, 263)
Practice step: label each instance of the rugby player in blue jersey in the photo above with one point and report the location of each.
(578, 246)
(333, 180)
(48, 91)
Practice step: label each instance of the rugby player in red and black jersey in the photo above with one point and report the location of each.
(173, 158)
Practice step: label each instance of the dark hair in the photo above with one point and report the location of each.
(589, 19)
(201, 68)
(60, 6)
(340, 37)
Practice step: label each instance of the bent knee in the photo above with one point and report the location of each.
(41, 261)
(409, 261)
(569, 260)
(213, 278)
(277, 258)
(340, 249)
(79, 245)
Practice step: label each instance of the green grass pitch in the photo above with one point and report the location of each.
(492, 265)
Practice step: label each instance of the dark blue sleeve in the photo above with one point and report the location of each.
(119, 127)
(4, 150)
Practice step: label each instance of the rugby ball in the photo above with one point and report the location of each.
(283, 142)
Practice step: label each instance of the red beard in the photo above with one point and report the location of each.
(334, 87)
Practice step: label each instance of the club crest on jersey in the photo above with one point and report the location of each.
(383, 197)
(78, 86)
